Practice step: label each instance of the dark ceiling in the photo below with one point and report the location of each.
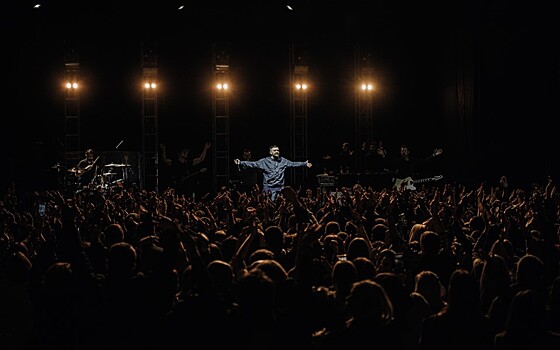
(247, 20)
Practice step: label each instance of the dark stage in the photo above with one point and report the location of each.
(479, 79)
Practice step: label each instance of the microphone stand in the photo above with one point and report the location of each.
(124, 160)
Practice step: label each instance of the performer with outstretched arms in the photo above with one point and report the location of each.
(273, 169)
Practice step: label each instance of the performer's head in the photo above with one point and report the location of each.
(274, 151)
(184, 153)
(89, 153)
(405, 152)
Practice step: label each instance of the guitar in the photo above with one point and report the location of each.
(408, 183)
(182, 179)
(79, 172)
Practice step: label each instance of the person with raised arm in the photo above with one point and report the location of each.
(273, 168)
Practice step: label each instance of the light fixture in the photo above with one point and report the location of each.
(367, 87)
(70, 85)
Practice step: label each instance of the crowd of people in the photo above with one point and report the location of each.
(443, 266)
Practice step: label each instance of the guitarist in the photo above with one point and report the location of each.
(86, 169)
(406, 166)
(184, 169)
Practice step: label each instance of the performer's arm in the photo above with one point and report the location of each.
(299, 164)
(259, 164)
(202, 156)
(164, 158)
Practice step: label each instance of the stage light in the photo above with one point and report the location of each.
(367, 87)
(150, 85)
(301, 86)
(70, 85)
(222, 86)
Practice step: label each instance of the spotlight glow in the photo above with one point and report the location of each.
(367, 87)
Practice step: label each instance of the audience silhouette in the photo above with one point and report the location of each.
(146, 270)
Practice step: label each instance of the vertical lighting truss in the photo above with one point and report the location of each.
(298, 111)
(363, 97)
(72, 139)
(149, 158)
(220, 122)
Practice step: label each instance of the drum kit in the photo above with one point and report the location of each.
(106, 178)
(113, 176)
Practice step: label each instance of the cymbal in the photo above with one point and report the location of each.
(109, 174)
(114, 165)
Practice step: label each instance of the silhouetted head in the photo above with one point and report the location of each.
(121, 261)
(368, 301)
(405, 152)
(430, 242)
(272, 268)
(529, 271)
(221, 275)
(344, 273)
(463, 293)
(183, 153)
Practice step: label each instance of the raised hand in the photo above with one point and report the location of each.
(504, 182)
